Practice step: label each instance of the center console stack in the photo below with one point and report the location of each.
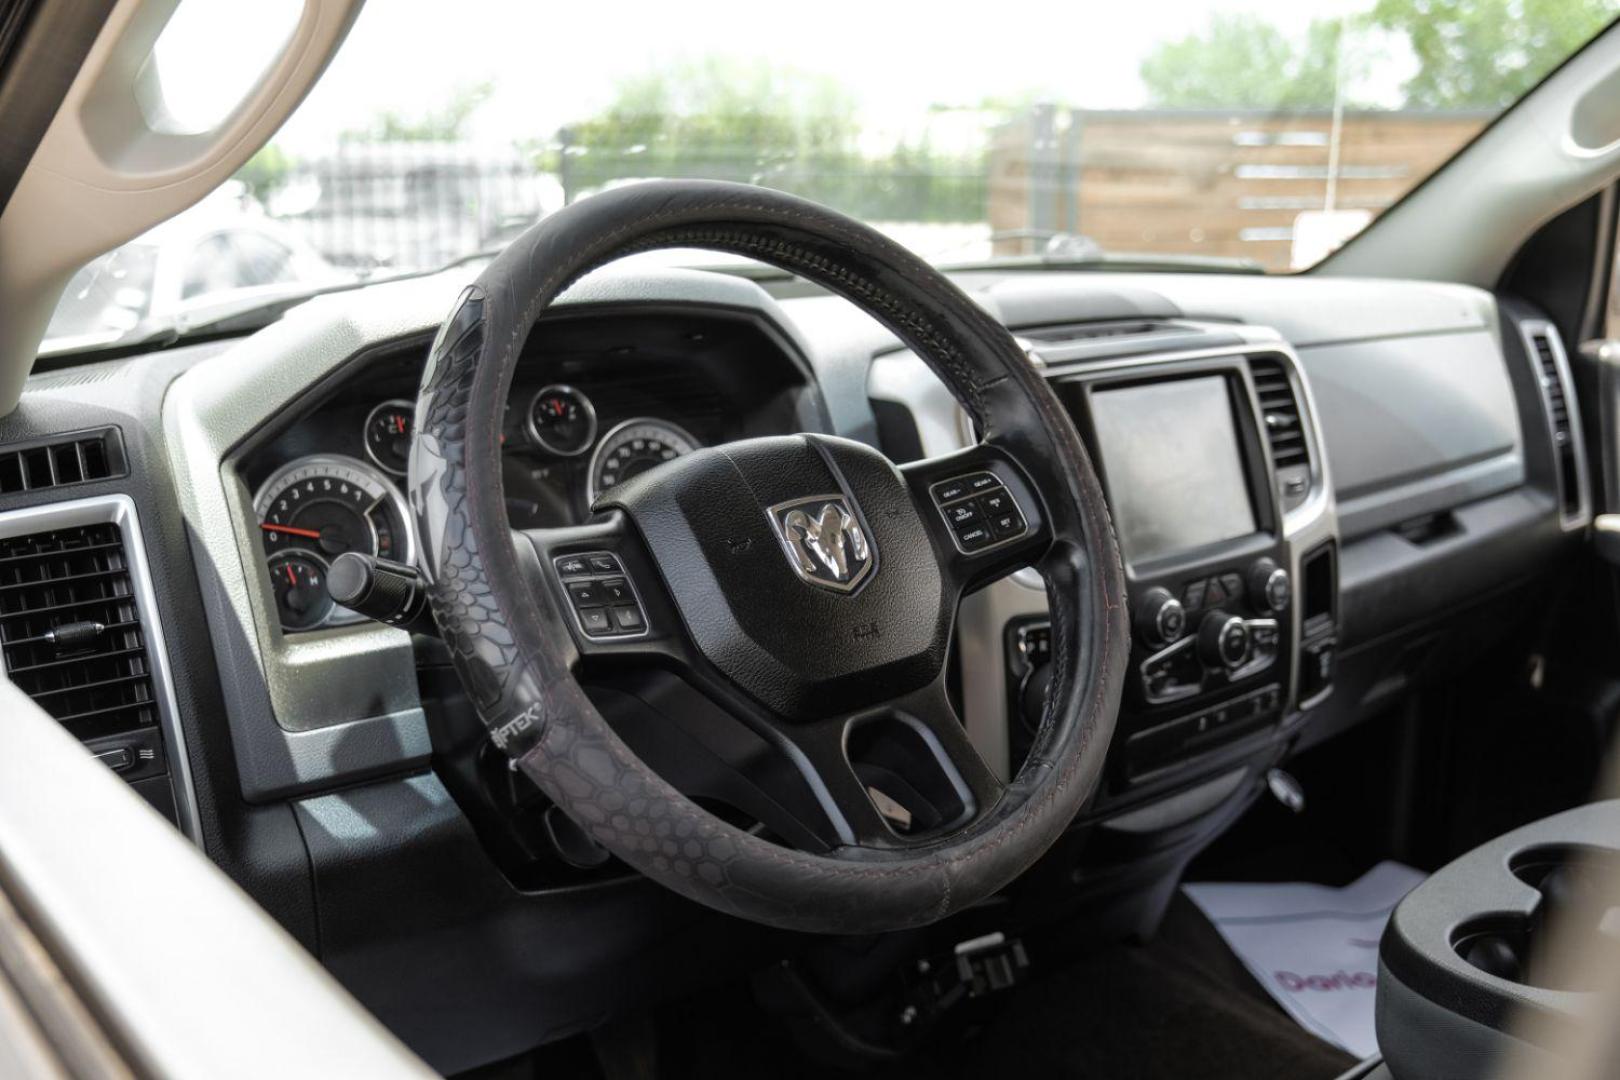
(1217, 489)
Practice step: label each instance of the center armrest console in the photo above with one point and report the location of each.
(1466, 977)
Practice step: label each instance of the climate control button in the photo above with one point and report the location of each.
(1160, 618)
(1223, 640)
(1269, 587)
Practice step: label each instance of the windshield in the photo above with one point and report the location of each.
(1255, 134)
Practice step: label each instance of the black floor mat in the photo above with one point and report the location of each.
(1182, 1006)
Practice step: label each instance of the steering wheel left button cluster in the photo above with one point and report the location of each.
(604, 602)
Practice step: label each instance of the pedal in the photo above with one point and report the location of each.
(975, 968)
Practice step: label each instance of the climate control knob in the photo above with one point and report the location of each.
(1223, 640)
(1160, 618)
(1269, 588)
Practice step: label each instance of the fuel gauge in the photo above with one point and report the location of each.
(299, 581)
(388, 435)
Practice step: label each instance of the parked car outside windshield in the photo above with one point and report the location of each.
(1251, 134)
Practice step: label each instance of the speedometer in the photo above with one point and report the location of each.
(321, 506)
(632, 448)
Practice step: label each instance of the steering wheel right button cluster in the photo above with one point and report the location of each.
(601, 596)
(980, 512)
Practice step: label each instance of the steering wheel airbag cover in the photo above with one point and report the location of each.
(514, 653)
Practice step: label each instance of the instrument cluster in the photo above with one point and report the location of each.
(318, 506)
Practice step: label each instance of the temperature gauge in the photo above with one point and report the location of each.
(388, 435)
(562, 421)
(299, 581)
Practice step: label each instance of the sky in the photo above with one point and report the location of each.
(551, 63)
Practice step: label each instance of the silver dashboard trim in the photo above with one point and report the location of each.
(120, 510)
(339, 705)
(903, 378)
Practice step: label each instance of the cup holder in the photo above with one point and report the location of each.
(1572, 883)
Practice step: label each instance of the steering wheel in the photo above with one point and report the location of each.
(803, 589)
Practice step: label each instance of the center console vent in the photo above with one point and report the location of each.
(71, 633)
(76, 459)
(1282, 420)
(1563, 424)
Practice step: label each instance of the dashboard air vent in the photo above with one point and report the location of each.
(1279, 412)
(1552, 375)
(71, 632)
(77, 459)
(1284, 427)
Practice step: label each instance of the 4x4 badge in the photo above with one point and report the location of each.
(823, 541)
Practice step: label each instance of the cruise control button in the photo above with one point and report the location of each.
(603, 564)
(572, 566)
(979, 483)
(974, 537)
(950, 491)
(963, 513)
(1008, 524)
(616, 591)
(629, 619)
(595, 621)
(586, 594)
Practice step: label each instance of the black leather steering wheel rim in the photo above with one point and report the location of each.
(512, 647)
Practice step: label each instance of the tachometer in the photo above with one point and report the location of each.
(562, 420)
(324, 505)
(632, 448)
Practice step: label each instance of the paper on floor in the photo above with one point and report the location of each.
(1313, 947)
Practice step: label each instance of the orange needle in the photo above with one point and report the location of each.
(289, 530)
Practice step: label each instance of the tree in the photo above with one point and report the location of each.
(1487, 53)
(1482, 54)
(1243, 62)
(265, 171)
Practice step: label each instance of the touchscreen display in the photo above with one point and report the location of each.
(1175, 477)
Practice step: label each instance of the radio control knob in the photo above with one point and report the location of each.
(1269, 588)
(1223, 640)
(1160, 618)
